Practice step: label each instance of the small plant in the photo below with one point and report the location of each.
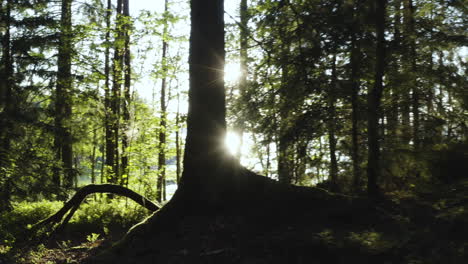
(93, 237)
(65, 244)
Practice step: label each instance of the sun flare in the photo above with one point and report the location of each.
(232, 142)
(232, 72)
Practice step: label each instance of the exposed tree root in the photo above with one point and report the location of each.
(73, 204)
(251, 197)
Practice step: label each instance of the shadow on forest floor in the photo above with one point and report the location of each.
(428, 226)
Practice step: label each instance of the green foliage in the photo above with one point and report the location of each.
(95, 218)
(14, 225)
(93, 237)
(101, 216)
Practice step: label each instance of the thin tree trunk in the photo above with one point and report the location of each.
(115, 99)
(6, 85)
(177, 139)
(355, 76)
(102, 176)
(412, 66)
(301, 161)
(126, 100)
(331, 129)
(110, 146)
(284, 149)
(6, 102)
(268, 160)
(395, 78)
(161, 185)
(93, 159)
(374, 102)
(63, 108)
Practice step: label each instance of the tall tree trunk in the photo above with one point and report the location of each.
(395, 78)
(374, 102)
(6, 85)
(161, 185)
(355, 87)
(6, 103)
(331, 128)
(208, 173)
(410, 62)
(431, 94)
(177, 140)
(115, 98)
(126, 100)
(301, 161)
(93, 158)
(285, 154)
(109, 146)
(63, 108)
(102, 168)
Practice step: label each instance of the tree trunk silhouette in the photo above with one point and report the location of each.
(6, 103)
(161, 185)
(115, 99)
(332, 129)
(110, 148)
(355, 87)
(6, 85)
(374, 102)
(63, 109)
(93, 158)
(177, 141)
(205, 159)
(411, 68)
(124, 177)
(284, 152)
(392, 111)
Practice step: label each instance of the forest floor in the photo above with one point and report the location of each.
(425, 226)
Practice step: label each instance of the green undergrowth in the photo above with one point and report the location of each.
(96, 219)
(423, 224)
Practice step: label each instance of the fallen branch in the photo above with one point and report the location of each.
(73, 204)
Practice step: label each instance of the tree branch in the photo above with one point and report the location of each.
(81, 194)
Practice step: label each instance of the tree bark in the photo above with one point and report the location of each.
(332, 130)
(63, 109)
(124, 177)
(374, 102)
(6, 105)
(355, 87)
(6, 86)
(177, 141)
(410, 62)
(208, 175)
(161, 185)
(93, 158)
(110, 148)
(395, 78)
(115, 99)
(284, 152)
